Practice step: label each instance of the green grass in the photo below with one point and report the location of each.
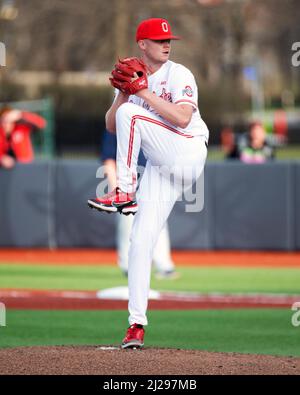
(260, 331)
(199, 279)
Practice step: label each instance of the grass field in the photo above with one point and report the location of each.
(262, 331)
(193, 279)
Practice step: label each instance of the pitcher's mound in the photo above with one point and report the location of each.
(108, 360)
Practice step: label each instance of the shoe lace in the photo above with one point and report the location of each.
(112, 193)
(132, 330)
(116, 191)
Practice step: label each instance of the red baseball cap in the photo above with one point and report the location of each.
(155, 29)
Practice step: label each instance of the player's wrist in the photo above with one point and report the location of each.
(124, 95)
(143, 93)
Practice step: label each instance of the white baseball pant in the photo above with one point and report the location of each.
(162, 260)
(174, 162)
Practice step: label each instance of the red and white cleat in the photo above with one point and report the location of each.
(114, 201)
(134, 337)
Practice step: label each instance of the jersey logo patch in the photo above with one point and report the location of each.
(188, 91)
(166, 95)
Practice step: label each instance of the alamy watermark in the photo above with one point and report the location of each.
(296, 55)
(2, 54)
(296, 315)
(164, 183)
(2, 314)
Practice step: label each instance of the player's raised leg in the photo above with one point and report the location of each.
(123, 198)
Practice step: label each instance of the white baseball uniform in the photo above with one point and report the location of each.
(175, 159)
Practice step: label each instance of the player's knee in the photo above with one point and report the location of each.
(126, 109)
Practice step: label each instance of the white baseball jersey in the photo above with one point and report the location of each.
(175, 160)
(175, 83)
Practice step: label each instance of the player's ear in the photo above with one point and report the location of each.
(142, 44)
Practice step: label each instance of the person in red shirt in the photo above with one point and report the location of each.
(15, 142)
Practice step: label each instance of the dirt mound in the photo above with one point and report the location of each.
(92, 360)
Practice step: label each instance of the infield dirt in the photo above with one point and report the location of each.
(149, 361)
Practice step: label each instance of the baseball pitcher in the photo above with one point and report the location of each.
(155, 109)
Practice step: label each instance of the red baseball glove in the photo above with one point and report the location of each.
(129, 76)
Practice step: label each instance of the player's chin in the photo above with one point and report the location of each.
(165, 56)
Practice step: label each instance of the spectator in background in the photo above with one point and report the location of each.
(15, 142)
(162, 261)
(257, 149)
(229, 143)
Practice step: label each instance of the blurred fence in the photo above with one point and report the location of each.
(246, 207)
